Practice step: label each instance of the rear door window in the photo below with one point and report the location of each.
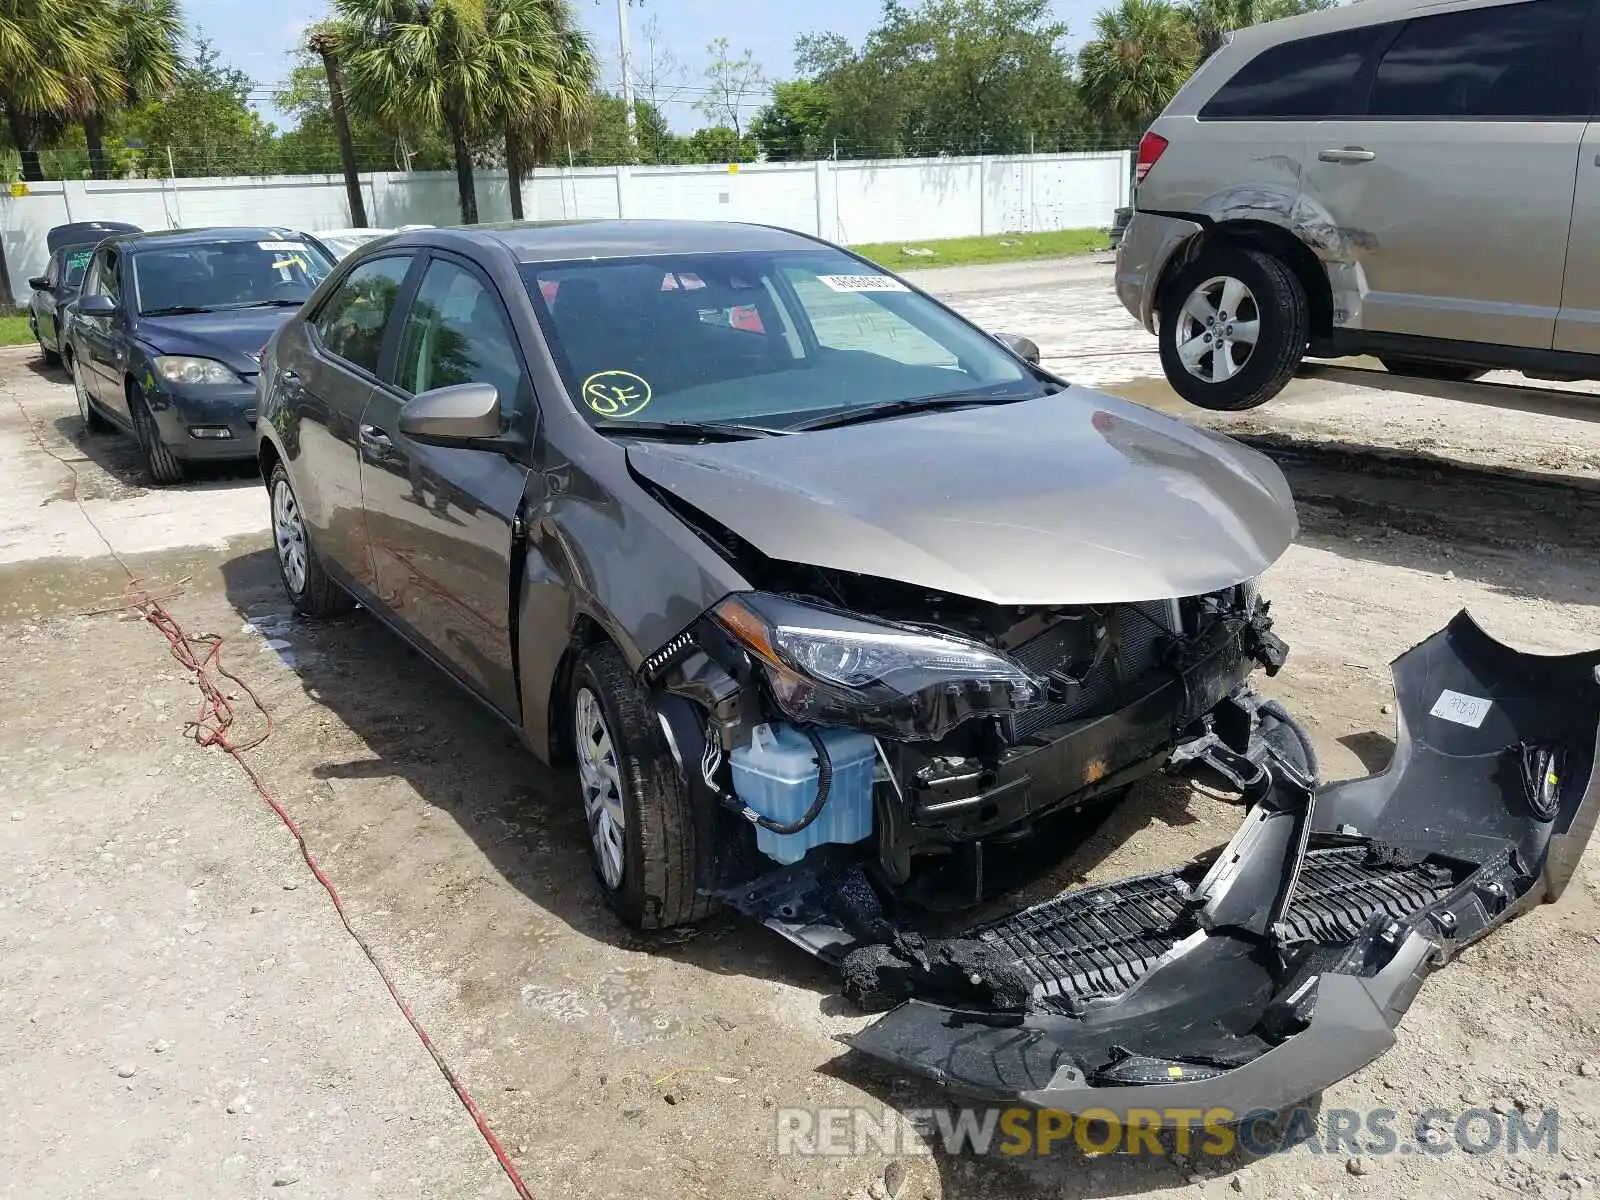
(352, 321)
(1302, 80)
(1511, 61)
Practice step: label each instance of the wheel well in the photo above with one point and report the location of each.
(1274, 240)
(586, 632)
(268, 457)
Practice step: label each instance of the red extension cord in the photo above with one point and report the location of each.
(212, 726)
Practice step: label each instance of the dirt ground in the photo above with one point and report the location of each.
(187, 1017)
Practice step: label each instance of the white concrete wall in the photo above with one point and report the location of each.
(881, 201)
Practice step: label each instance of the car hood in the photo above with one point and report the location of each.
(1072, 498)
(235, 336)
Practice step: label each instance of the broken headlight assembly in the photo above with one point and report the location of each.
(826, 667)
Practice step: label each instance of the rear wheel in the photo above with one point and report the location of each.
(92, 420)
(1234, 326)
(163, 466)
(311, 589)
(642, 837)
(1421, 369)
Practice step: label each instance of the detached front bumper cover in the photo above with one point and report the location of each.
(1284, 965)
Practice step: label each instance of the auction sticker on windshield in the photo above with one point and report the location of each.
(282, 247)
(616, 393)
(862, 283)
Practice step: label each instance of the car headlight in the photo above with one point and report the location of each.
(830, 668)
(178, 368)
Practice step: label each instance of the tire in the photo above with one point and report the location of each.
(93, 422)
(310, 588)
(1420, 369)
(163, 466)
(648, 875)
(1265, 293)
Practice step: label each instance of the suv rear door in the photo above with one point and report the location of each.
(1450, 194)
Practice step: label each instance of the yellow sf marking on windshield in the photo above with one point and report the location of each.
(616, 393)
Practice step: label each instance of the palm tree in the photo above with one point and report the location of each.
(324, 41)
(551, 99)
(429, 63)
(1213, 20)
(53, 55)
(144, 64)
(1143, 51)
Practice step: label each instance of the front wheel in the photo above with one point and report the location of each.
(163, 466)
(311, 589)
(1234, 326)
(1419, 369)
(642, 834)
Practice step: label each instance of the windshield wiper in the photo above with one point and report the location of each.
(728, 431)
(894, 408)
(175, 310)
(270, 304)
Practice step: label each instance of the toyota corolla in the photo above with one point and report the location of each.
(842, 607)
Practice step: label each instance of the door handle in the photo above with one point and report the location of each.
(375, 441)
(289, 378)
(1348, 154)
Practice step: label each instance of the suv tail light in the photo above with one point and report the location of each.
(1151, 147)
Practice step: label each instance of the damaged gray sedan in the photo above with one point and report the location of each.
(845, 609)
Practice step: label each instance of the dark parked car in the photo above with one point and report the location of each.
(165, 338)
(844, 609)
(70, 247)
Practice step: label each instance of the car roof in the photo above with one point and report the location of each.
(175, 238)
(557, 241)
(1347, 16)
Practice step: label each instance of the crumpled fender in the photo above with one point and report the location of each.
(1291, 960)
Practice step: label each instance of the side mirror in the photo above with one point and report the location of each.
(1024, 348)
(96, 306)
(39, 283)
(459, 415)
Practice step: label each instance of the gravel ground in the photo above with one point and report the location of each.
(166, 957)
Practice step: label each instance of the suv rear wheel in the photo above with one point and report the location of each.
(1234, 326)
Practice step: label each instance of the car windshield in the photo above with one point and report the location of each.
(210, 276)
(777, 338)
(74, 262)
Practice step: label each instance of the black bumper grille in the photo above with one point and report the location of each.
(1137, 633)
(1099, 941)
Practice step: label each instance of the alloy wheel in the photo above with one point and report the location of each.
(601, 781)
(289, 532)
(1218, 328)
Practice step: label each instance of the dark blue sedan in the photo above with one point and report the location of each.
(165, 339)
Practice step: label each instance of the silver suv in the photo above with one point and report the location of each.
(1414, 181)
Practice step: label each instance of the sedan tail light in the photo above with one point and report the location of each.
(1151, 147)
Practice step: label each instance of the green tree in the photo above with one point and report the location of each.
(326, 43)
(1143, 51)
(1213, 20)
(549, 101)
(722, 144)
(606, 143)
(205, 122)
(55, 55)
(957, 76)
(728, 81)
(427, 65)
(145, 60)
(796, 125)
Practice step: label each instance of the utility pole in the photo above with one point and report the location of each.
(627, 74)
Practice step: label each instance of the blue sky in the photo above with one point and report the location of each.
(258, 38)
